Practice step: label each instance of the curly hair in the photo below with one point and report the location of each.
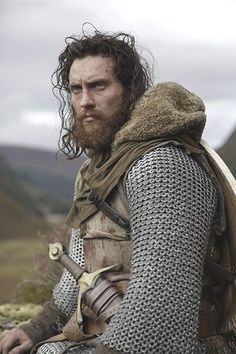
(130, 69)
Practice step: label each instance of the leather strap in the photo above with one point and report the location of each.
(105, 301)
(106, 315)
(101, 296)
(109, 211)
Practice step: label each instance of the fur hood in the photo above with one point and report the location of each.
(166, 109)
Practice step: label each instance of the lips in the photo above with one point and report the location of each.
(88, 119)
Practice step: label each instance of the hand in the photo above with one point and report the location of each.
(15, 341)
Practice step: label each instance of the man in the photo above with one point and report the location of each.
(143, 149)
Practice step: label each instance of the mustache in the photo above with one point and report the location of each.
(84, 114)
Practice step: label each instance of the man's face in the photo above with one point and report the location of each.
(97, 100)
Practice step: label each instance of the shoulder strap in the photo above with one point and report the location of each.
(109, 211)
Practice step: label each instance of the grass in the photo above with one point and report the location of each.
(27, 275)
(17, 259)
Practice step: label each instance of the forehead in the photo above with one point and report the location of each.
(91, 67)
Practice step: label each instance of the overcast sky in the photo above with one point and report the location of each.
(193, 42)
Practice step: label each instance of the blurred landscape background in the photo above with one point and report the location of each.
(192, 43)
(36, 190)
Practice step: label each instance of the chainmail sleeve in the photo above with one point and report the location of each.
(172, 206)
(65, 293)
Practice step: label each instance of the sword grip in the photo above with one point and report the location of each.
(75, 270)
(57, 252)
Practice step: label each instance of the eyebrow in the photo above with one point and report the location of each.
(74, 85)
(89, 82)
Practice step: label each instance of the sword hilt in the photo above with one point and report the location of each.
(104, 299)
(58, 253)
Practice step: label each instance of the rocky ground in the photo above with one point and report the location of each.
(12, 315)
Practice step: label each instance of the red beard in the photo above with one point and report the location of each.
(98, 134)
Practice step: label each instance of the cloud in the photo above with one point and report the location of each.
(37, 119)
(183, 20)
(221, 120)
(32, 130)
(184, 36)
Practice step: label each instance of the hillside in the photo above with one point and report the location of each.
(228, 152)
(17, 221)
(47, 177)
(18, 216)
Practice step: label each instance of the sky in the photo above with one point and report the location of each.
(193, 43)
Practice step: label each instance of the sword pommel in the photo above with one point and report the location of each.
(55, 250)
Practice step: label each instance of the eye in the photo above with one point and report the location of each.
(75, 89)
(99, 85)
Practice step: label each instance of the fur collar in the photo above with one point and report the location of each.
(166, 109)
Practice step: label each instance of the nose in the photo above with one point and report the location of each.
(87, 99)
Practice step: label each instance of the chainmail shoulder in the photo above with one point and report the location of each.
(172, 206)
(65, 293)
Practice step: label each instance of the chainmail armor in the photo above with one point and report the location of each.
(59, 347)
(160, 310)
(172, 206)
(65, 293)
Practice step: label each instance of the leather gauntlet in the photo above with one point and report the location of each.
(103, 298)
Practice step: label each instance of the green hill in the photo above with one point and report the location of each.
(18, 221)
(47, 177)
(19, 217)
